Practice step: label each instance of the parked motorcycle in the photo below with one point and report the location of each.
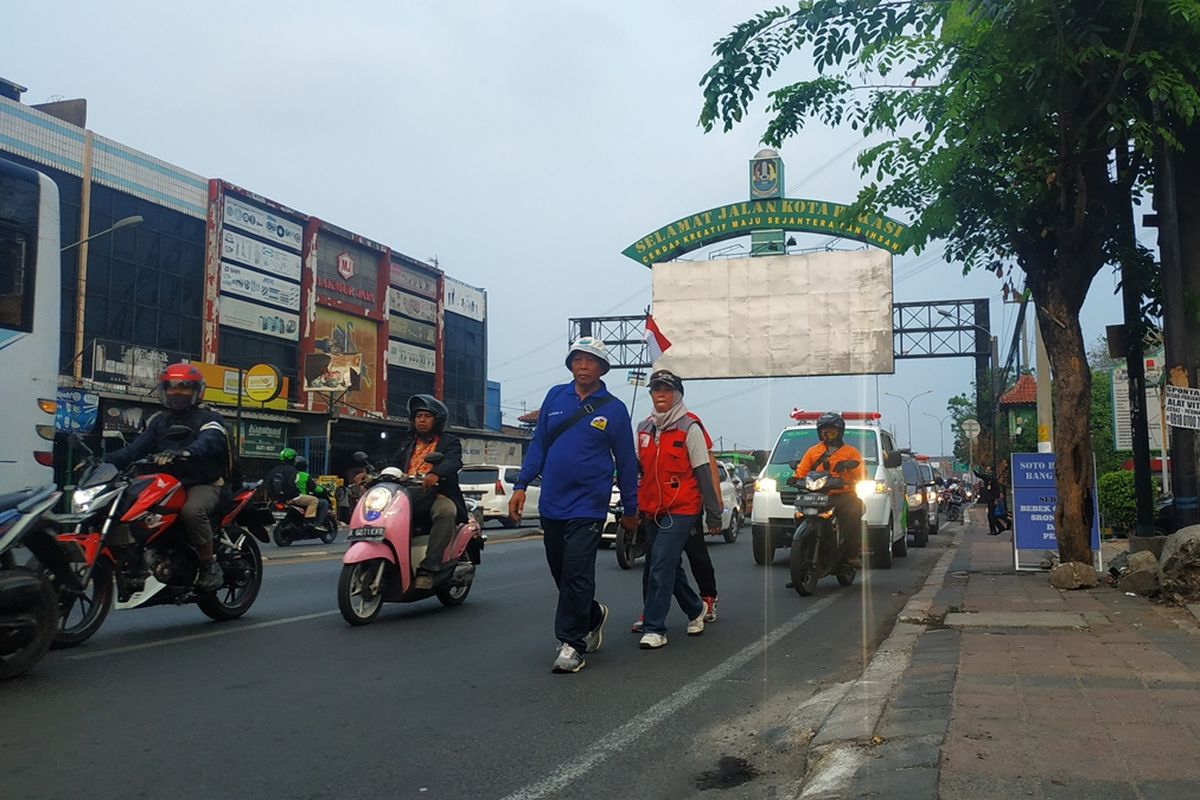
(126, 526)
(291, 526)
(817, 543)
(28, 602)
(630, 545)
(386, 547)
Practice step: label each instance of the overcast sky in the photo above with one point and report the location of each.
(524, 144)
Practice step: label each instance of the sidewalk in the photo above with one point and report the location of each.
(1016, 689)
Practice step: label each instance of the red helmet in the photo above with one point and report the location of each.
(181, 375)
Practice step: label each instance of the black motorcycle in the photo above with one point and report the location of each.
(291, 526)
(817, 543)
(28, 599)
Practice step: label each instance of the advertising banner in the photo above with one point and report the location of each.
(411, 331)
(267, 224)
(332, 373)
(459, 298)
(257, 286)
(254, 253)
(262, 439)
(411, 357)
(1123, 417)
(410, 280)
(1183, 407)
(1035, 499)
(221, 386)
(130, 367)
(401, 303)
(338, 334)
(347, 274)
(258, 319)
(127, 420)
(75, 411)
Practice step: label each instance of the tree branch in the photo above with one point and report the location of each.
(1108, 95)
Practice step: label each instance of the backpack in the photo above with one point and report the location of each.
(281, 483)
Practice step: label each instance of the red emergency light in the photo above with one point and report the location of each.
(857, 416)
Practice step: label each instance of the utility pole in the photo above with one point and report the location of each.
(1045, 411)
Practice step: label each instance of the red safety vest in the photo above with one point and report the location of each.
(667, 482)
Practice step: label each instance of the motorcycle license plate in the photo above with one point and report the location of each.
(280, 515)
(365, 535)
(812, 500)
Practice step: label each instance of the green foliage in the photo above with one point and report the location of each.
(1100, 424)
(1118, 501)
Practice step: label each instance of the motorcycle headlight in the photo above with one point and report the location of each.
(377, 499)
(82, 499)
(766, 485)
(815, 482)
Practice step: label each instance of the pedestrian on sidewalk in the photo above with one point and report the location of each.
(991, 494)
(675, 488)
(582, 429)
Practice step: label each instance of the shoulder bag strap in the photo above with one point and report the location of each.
(587, 409)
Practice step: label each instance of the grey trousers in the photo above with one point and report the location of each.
(196, 515)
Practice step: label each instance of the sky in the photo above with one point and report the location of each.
(522, 144)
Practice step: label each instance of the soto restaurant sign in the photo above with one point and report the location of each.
(741, 219)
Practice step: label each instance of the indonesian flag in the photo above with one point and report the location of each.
(656, 343)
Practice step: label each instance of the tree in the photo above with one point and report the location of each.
(1003, 120)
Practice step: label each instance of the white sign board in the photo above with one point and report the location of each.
(1123, 416)
(403, 303)
(410, 356)
(1183, 407)
(459, 298)
(815, 314)
(263, 223)
(257, 286)
(258, 319)
(254, 253)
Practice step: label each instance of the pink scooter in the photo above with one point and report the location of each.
(384, 552)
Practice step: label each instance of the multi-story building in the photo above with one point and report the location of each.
(229, 279)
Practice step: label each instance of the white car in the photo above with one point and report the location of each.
(491, 485)
(732, 518)
(772, 521)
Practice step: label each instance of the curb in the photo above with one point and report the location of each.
(839, 745)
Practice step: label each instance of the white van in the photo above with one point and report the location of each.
(772, 521)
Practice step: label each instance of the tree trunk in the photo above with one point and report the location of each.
(1059, 323)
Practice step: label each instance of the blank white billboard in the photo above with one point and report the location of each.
(776, 316)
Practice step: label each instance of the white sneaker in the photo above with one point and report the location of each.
(652, 641)
(595, 637)
(637, 626)
(710, 609)
(569, 660)
(696, 626)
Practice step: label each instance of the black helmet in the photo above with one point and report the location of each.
(831, 419)
(301, 463)
(427, 402)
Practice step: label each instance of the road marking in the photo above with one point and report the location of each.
(834, 774)
(639, 726)
(113, 651)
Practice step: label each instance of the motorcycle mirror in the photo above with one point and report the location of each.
(359, 457)
(78, 441)
(434, 458)
(794, 463)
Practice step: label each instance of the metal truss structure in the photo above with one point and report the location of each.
(927, 329)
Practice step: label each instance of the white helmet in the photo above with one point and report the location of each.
(593, 347)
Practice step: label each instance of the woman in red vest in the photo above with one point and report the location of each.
(676, 487)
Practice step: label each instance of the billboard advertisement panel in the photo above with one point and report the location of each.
(267, 224)
(253, 253)
(411, 357)
(402, 303)
(412, 331)
(257, 286)
(259, 319)
(776, 316)
(221, 386)
(338, 334)
(410, 280)
(459, 298)
(325, 372)
(348, 275)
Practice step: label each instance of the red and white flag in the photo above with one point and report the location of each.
(656, 343)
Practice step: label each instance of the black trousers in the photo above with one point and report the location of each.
(696, 551)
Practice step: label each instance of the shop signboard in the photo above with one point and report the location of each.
(267, 224)
(348, 275)
(403, 303)
(1035, 500)
(410, 280)
(262, 439)
(259, 319)
(126, 420)
(411, 331)
(257, 286)
(253, 253)
(221, 386)
(467, 301)
(411, 357)
(130, 367)
(75, 410)
(338, 334)
(1123, 416)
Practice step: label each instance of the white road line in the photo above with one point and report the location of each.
(113, 651)
(835, 773)
(639, 726)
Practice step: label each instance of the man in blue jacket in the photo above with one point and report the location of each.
(581, 430)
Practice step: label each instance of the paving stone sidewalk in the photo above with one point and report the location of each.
(1011, 704)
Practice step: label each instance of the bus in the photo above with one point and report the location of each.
(29, 324)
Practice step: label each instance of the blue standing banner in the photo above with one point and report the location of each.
(75, 411)
(1035, 499)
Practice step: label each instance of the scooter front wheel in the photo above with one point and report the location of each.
(357, 600)
(81, 615)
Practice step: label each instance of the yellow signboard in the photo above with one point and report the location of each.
(222, 386)
(262, 383)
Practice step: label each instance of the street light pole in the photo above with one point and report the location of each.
(136, 219)
(941, 432)
(908, 404)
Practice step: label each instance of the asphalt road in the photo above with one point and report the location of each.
(428, 702)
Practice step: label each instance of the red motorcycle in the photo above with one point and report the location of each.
(127, 538)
